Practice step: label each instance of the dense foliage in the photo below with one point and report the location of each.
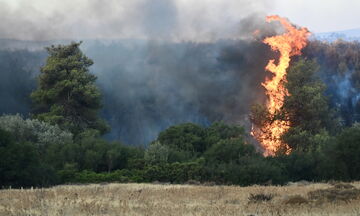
(307, 108)
(227, 160)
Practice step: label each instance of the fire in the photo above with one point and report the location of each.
(288, 44)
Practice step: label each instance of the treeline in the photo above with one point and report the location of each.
(34, 153)
(63, 141)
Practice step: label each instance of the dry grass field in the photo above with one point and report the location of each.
(159, 200)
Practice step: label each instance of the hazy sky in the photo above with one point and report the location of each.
(179, 19)
(321, 15)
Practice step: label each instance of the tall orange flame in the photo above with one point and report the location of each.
(288, 44)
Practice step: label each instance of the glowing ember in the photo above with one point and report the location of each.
(288, 44)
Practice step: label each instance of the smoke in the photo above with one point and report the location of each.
(346, 97)
(18, 70)
(176, 20)
(149, 85)
(345, 89)
(339, 69)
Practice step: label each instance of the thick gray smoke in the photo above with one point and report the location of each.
(18, 71)
(176, 20)
(149, 86)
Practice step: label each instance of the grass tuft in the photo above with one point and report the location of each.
(261, 197)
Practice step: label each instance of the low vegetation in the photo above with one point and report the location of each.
(339, 192)
(260, 197)
(158, 200)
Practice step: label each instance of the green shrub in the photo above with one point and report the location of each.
(347, 152)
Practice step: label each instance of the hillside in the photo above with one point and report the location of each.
(347, 35)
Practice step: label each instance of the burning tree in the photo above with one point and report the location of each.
(269, 130)
(311, 121)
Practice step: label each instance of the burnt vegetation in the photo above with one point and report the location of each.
(62, 132)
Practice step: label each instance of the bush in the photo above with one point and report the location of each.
(20, 164)
(67, 174)
(261, 171)
(299, 166)
(347, 152)
(35, 131)
(174, 172)
(261, 197)
(156, 154)
(186, 137)
(121, 176)
(335, 194)
(229, 151)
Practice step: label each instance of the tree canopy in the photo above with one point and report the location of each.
(67, 94)
(306, 108)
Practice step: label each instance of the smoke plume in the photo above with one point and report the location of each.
(200, 20)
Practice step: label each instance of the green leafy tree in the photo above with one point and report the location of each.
(221, 131)
(307, 109)
(67, 94)
(189, 137)
(156, 154)
(46, 139)
(40, 133)
(184, 137)
(90, 152)
(230, 151)
(20, 164)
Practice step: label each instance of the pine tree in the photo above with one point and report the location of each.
(67, 94)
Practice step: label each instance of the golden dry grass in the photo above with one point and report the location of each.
(159, 200)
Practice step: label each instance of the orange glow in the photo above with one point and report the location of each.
(288, 44)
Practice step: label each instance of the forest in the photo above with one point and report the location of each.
(58, 124)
